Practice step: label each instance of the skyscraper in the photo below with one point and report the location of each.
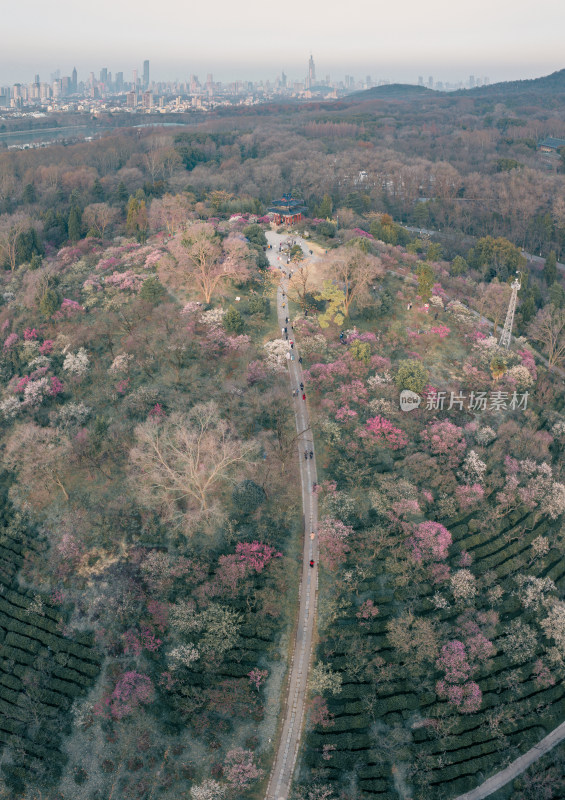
(311, 79)
(134, 81)
(104, 75)
(145, 74)
(74, 84)
(119, 81)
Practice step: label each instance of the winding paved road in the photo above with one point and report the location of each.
(521, 764)
(294, 705)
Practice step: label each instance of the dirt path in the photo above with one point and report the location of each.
(293, 710)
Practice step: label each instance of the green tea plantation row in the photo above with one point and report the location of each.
(41, 670)
(440, 753)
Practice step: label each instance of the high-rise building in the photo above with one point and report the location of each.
(134, 80)
(74, 83)
(311, 78)
(431, 82)
(471, 81)
(104, 75)
(420, 80)
(147, 99)
(119, 81)
(145, 74)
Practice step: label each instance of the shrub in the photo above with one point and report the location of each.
(152, 290)
(232, 321)
(411, 375)
(248, 496)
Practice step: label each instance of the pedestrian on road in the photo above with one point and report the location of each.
(306, 455)
(304, 397)
(285, 330)
(312, 562)
(300, 359)
(312, 535)
(311, 454)
(291, 344)
(286, 319)
(301, 386)
(314, 484)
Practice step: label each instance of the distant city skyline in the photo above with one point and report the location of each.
(504, 40)
(160, 74)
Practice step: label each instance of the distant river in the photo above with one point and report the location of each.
(72, 133)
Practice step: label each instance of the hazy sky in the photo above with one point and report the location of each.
(503, 39)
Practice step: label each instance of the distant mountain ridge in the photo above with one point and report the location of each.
(555, 82)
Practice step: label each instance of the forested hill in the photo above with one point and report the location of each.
(554, 83)
(393, 91)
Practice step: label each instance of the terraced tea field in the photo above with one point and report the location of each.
(383, 726)
(41, 671)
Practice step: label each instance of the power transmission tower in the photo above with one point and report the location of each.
(506, 335)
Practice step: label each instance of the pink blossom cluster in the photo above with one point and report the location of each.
(236, 344)
(324, 374)
(528, 361)
(122, 386)
(445, 439)
(46, 347)
(406, 508)
(354, 392)
(344, 413)
(10, 341)
(136, 640)
(438, 290)
(453, 661)
(30, 335)
(128, 281)
(469, 495)
(333, 538)
(382, 431)
(466, 697)
(159, 614)
(256, 371)
(367, 612)
(153, 259)
(367, 336)
(441, 330)
(92, 284)
(257, 677)
(430, 541)
(107, 263)
(132, 690)
(240, 769)
(256, 555)
(68, 309)
(361, 232)
(157, 413)
(192, 307)
(379, 363)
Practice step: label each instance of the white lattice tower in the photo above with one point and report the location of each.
(506, 335)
